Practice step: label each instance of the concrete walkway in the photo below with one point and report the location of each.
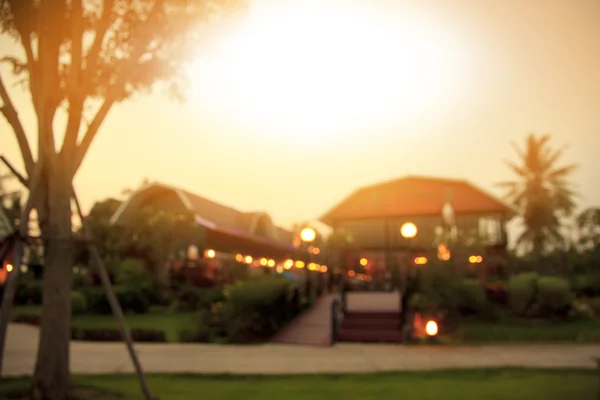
(105, 358)
(313, 327)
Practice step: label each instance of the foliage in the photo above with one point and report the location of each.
(541, 194)
(587, 285)
(496, 292)
(471, 297)
(437, 289)
(78, 303)
(190, 297)
(132, 299)
(522, 290)
(29, 292)
(252, 311)
(588, 228)
(553, 296)
(79, 58)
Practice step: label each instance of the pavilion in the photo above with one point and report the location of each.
(229, 232)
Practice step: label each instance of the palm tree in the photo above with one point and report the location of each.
(541, 193)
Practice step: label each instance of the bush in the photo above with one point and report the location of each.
(438, 290)
(97, 335)
(522, 292)
(553, 296)
(78, 303)
(252, 311)
(131, 299)
(28, 292)
(587, 285)
(496, 293)
(148, 335)
(27, 319)
(471, 297)
(192, 298)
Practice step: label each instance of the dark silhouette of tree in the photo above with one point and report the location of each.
(82, 57)
(541, 193)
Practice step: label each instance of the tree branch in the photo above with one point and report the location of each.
(75, 93)
(94, 52)
(117, 87)
(92, 130)
(12, 117)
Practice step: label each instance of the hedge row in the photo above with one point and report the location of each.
(101, 334)
(251, 311)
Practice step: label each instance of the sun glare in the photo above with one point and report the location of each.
(315, 71)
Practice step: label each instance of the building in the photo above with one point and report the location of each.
(453, 217)
(229, 232)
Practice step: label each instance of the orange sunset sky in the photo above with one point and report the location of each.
(300, 102)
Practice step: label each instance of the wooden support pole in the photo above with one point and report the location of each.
(97, 260)
(112, 300)
(12, 281)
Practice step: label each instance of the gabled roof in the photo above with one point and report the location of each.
(415, 196)
(208, 213)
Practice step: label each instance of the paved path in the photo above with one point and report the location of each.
(312, 327)
(104, 358)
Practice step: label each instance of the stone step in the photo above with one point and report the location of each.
(372, 315)
(354, 323)
(369, 336)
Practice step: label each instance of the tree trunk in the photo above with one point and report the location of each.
(51, 377)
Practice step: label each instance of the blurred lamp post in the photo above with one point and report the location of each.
(308, 235)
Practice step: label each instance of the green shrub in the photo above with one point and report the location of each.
(553, 296)
(587, 285)
(191, 298)
(29, 292)
(471, 297)
(95, 297)
(78, 303)
(522, 290)
(438, 288)
(130, 298)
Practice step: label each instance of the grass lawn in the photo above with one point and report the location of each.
(489, 384)
(515, 332)
(169, 322)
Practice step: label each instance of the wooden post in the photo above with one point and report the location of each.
(12, 280)
(112, 300)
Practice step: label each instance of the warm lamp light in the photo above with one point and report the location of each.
(289, 264)
(408, 230)
(271, 263)
(316, 250)
(299, 264)
(9, 267)
(192, 252)
(248, 259)
(364, 261)
(351, 273)
(421, 260)
(323, 268)
(312, 266)
(431, 328)
(264, 262)
(308, 235)
(239, 258)
(210, 253)
(475, 259)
